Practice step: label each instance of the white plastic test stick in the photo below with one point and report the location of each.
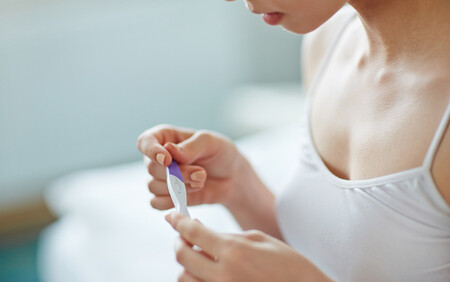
(177, 189)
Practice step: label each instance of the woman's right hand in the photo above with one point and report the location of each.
(209, 162)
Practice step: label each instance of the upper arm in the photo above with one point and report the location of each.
(316, 44)
(440, 169)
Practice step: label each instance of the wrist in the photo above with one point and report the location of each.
(241, 185)
(250, 202)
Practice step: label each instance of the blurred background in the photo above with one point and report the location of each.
(80, 80)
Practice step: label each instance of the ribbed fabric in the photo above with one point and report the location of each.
(390, 228)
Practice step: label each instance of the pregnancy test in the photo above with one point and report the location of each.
(177, 189)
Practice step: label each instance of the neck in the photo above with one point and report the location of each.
(405, 29)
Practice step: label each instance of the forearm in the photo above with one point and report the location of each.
(253, 204)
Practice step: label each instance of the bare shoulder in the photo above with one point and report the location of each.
(441, 167)
(316, 43)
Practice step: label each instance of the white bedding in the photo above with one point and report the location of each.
(107, 230)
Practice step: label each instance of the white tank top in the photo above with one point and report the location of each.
(390, 228)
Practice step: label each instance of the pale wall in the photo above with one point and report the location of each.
(79, 80)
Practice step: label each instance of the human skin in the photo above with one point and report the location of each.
(250, 256)
(392, 64)
(222, 175)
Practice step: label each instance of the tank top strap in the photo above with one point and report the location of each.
(324, 63)
(429, 157)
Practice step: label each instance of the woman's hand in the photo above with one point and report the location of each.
(209, 162)
(251, 256)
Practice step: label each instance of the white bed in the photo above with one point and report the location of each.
(107, 230)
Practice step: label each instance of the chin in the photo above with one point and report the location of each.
(300, 29)
(305, 23)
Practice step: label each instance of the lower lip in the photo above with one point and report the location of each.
(272, 18)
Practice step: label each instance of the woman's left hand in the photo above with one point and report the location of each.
(250, 256)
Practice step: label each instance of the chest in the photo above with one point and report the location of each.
(387, 232)
(364, 126)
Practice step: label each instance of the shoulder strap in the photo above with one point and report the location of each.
(327, 57)
(427, 163)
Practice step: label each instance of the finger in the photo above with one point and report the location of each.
(151, 148)
(147, 160)
(151, 142)
(191, 174)
(193, 261)
(195, 233)
(197, 197)
(201, 144)
(196, 248)
(209, 193)
(185, 276)
(161, 202)
(156, 170)
(158, 187)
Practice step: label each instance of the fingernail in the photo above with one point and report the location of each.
(175, 146)
(161, 158)
(169, 217)
(198, 175)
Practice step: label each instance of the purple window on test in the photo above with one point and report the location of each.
(174, 169)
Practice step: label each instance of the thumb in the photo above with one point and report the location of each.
(200, 145)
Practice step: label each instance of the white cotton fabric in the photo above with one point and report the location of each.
(390, 228)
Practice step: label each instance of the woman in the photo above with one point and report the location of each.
(370, 197)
